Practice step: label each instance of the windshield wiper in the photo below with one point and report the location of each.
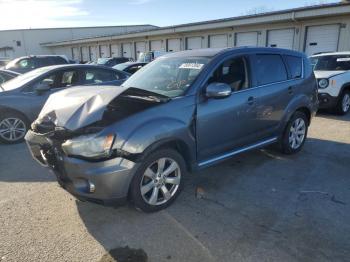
(135, 91)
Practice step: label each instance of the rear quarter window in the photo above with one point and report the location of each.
(295, 66)
(269, 68)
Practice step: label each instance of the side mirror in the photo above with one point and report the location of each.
(218, 90)
(44, 86)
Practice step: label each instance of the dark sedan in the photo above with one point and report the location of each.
(22, 98)
(130, 67)
(6, 75)
(112, 61)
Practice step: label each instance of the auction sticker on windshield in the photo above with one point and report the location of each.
(343, 59)
(191, 66)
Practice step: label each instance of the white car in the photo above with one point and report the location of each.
(332, 71)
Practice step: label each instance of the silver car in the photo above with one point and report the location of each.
(183, 111)
(22, 98)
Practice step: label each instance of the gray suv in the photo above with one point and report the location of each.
(184, 111)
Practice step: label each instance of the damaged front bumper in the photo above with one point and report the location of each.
(104, 182)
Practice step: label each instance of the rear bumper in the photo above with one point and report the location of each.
(326, 101)
(104, 182)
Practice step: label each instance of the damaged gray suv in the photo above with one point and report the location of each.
(184, 111)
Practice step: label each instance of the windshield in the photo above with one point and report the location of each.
(12, 63)
(145, 57)
(331, 63)
(168, 76)
(102, 61)
(23, 79)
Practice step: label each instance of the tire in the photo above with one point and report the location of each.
(147, 176)
(13, 127)
(343, 105)
(296, 130)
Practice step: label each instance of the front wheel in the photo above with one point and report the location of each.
(13, 127)
(343, 105)
(158, 181)
(294, 135)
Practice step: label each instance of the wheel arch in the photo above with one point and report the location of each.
(345, 87)
(306, 111)
(4, 109)
(173, 143)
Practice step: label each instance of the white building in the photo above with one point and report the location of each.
(15, 43)
(311, 29)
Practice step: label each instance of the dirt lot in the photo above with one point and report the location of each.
(259, 206)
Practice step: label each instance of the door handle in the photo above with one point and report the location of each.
(290, 90)
(251, 100)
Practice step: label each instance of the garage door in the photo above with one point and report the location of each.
(140, 47)
(85, 54)
(76, 53)
(115, 50)
(322, 39)
(218, 41)
(127, 50)
(104, 51)
(174, 45)
(247, 39)
(193, 43)
(282, 38)
(156, 45)
(93, 53)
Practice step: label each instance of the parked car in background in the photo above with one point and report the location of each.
(332, 71)
(27, 63)
(22, 98)
(150, 56)
(4, 61)
(130, 67)
(184, 111)
(6, 75)
(112, 61)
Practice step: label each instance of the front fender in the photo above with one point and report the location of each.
(157, 132)
(13, 103)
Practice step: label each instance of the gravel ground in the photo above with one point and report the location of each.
(259, 206)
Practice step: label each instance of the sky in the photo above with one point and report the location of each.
(17, 14)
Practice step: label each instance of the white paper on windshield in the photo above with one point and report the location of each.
(343, 59)
(191, 66)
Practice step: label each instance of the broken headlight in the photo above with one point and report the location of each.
(89, 146)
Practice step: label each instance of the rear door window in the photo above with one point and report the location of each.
(295, 66)
(269, 68)
(97, 76)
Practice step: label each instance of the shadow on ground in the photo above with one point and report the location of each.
(258, 206)
(329, 115)
(26, 169)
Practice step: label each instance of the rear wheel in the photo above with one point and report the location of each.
(343, 105)
(13, 127)
(294, 135)
(158, 181)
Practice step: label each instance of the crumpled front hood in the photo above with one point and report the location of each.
(327, 74)
(77, 107)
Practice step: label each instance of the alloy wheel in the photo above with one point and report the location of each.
(12, 129)
(160, 181)
(346, 103)
(297, 133)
